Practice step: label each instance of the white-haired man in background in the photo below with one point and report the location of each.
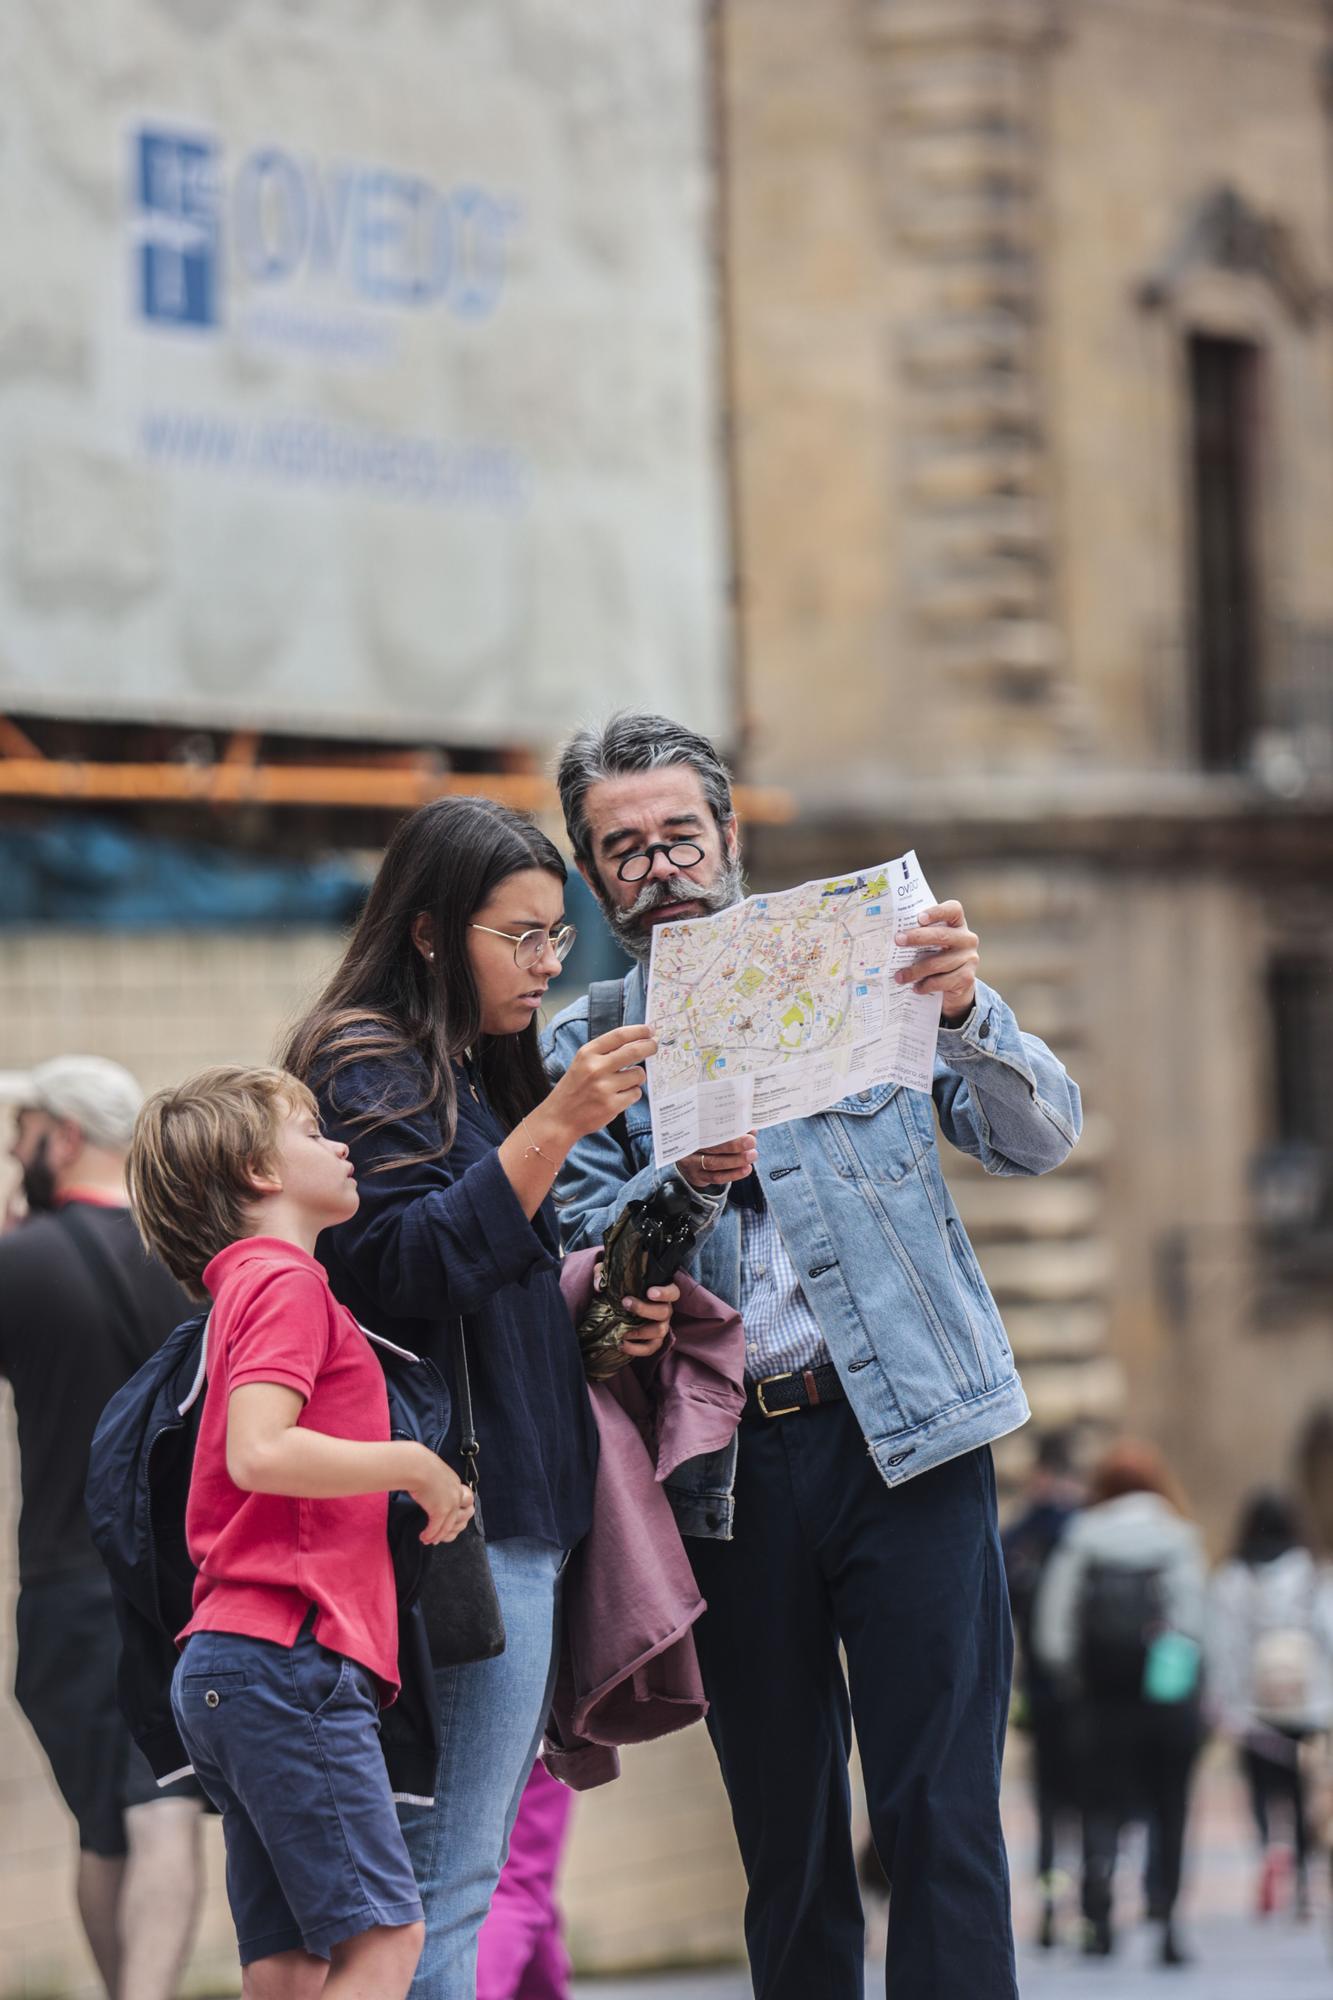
(81, 1306)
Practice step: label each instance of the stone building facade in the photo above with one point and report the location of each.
(1031, 365)
(1030, 369)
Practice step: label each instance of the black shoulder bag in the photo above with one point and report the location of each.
(457, 1596)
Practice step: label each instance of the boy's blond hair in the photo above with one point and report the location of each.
(196, 1148)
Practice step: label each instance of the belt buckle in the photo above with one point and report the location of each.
(767, 1383)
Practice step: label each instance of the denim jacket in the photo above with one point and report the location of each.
(884, 1261)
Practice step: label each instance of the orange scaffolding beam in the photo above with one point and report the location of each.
(236, 781)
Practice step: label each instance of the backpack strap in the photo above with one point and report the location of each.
(606, 1010)
(196, 1388)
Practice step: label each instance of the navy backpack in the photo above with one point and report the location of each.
(138, 1485)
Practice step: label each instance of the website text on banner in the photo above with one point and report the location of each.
(784, 1004)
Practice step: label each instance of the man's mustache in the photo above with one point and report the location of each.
(675, 889)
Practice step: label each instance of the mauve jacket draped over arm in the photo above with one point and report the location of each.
(628, 1671)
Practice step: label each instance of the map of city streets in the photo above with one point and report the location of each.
(784, 1004)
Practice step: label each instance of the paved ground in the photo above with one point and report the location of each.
(1236, 1957)
(1237, 1961)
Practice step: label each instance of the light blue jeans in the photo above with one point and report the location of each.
(492, 1715)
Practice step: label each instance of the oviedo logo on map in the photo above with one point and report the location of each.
(285, 220)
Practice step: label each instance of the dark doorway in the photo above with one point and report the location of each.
(1297, 1172)
(1225, 387)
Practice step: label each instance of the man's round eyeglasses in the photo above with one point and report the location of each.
(531, 947)
(680, 853)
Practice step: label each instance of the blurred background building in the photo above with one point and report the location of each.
(1032, 434)
(933, 399)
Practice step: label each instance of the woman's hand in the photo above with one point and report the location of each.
(655, 1313)
(604, 1079)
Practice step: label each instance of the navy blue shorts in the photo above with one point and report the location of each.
(285, 1741)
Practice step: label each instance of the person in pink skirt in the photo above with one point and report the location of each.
(521, 1954)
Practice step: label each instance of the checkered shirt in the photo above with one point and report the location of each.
(781, 1333)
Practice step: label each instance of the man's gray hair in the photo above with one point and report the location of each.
(633, 741)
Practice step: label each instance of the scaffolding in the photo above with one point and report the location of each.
(243, 775)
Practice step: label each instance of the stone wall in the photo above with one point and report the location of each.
(968, 240)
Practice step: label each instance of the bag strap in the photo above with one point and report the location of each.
(469, 1444)
(606, 1010)
(111, 1281)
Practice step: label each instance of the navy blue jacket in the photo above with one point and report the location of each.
(436, 1239)
(138, 1484)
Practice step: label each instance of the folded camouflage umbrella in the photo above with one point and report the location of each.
(646, 1245)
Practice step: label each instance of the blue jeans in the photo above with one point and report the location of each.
(492, 1715)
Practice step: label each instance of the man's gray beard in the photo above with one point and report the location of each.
(729, 888)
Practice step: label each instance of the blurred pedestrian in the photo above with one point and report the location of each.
(1270, 1677)
(1119, 1620)
(81, 1306)
(1053, 1494)
(521, 1953)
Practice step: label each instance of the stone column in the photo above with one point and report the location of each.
(963, 88)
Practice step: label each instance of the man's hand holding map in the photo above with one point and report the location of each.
(783, 1004)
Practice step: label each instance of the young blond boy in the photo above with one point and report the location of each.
(292, 1646)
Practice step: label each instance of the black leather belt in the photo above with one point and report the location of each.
(802, 1389)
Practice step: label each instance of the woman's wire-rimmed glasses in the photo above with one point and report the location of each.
(680, 853)
(531, 947)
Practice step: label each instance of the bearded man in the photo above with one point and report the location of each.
(856, 1507)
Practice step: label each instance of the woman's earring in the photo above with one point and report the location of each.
(430, 955)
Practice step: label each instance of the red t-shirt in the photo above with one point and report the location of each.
(264, 1559)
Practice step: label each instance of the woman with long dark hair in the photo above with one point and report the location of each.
(423, 1053)
(1270, 1671)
